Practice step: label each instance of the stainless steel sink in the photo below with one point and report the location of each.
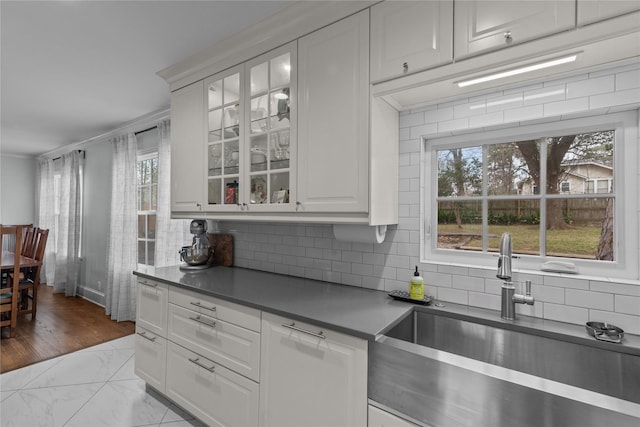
(451, 371)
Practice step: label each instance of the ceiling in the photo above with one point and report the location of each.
(74, 70)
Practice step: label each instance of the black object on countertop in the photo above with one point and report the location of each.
(404, 296)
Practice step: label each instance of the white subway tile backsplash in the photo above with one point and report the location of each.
(544, 95)
(467, 283)
(409, 120)
(487, 120)
(589, 87)
(570, 106)
(442, 114)
(453, 125)
(505, 102)
(566, 282)
(548, 294)
(469, 109)
(630, 324)
(453, 295)
(628, 80)
(628, 305)
(482, 300)
(630, 97)
(564, 313)
(312, 251)
(428, 129)
(588, 299)
(615, 288)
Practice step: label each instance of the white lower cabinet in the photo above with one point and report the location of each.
(151, 358)
(311, 377)
(235, 347)
(380, 418)
(214, 394)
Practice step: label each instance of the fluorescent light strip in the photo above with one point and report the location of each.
(519, 70)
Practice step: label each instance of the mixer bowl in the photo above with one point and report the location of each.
(191, 256)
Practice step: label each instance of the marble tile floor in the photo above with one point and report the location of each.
(93, 387)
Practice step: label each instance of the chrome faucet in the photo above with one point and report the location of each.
(509, 296)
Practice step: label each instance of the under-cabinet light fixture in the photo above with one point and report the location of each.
(519, 70)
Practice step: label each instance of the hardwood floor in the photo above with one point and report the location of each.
(62, 325)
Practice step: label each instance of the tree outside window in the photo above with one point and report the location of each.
(524, 187)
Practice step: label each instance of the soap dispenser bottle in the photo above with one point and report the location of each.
(416, 288)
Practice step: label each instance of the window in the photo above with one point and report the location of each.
(147, 172)
(520, 180)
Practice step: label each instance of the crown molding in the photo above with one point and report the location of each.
(297, 20)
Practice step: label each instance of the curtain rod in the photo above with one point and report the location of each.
(79, 151)
(146, 130)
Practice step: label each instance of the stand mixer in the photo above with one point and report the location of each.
(197, 255)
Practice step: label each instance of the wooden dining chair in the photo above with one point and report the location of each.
(29, 241)
(30, 277)
(9, 287)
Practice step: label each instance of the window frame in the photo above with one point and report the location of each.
(147, 213)
(626, 151)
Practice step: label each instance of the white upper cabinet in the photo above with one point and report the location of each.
(484, 25)
(187, 130)
(251, 138)
(271, 131)
(590, 11)
(410, 36)
(333, 140)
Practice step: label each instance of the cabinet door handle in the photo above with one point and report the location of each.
(295, 328)
(197, 362)
(151, 285)
(508, 38)
(199, 305)
(204, 322)
(144, 335)
(405, 67)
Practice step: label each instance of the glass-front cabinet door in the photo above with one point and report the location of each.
(224, 140)
(271, 88)
(251, 139)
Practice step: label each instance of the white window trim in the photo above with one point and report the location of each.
(146, 155)
(626, 178)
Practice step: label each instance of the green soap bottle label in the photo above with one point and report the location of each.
(416, 290)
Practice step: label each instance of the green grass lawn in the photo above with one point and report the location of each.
(578, 242)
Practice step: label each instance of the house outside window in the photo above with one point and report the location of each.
(147, 173)
(525, 182)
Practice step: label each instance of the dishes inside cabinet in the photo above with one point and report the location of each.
(258, 190)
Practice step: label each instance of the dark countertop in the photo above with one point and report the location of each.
(355, 311)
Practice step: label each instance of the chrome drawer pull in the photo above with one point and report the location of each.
(144, 335)
(151, 285)
(197, 362)
(204, 322)
(295, 328)
(199, 305)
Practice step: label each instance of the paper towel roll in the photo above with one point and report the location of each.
(360, 233)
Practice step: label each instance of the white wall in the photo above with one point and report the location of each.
(312, 251)
(17, 190)
(95, 237)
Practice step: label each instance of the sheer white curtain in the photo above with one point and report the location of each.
(69, 226)
(171, 234)
(47, 208)
(122, 252)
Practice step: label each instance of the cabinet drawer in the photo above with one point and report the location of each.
(152, 306)
(214, 307)
(151, 358)
(232, 346)
(216, 395)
